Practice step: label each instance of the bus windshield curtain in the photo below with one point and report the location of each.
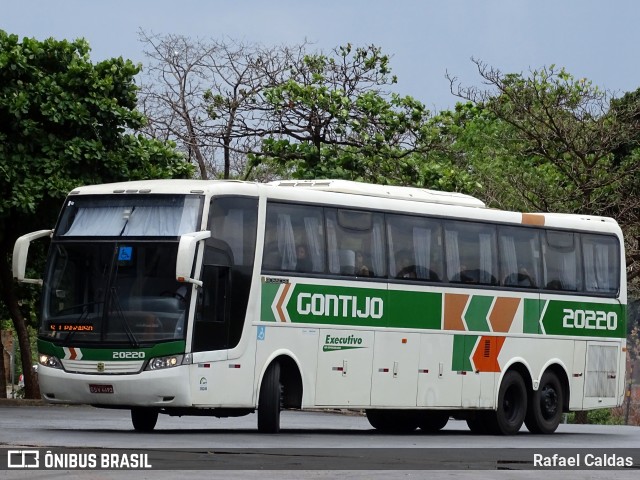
(98, 221)
(157, 221)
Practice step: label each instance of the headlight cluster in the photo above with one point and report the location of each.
(49, 361)
(159, 363)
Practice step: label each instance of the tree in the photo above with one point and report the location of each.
(207, 95)
(63, 123)
(560, 144)
(333, 118)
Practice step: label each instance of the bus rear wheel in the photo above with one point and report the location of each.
(545, 405)
(144, 419)
(270, 400)
(393, 421)
(512, 405)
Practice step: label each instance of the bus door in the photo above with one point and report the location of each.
(222, 373)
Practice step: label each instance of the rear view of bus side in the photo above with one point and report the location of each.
(225, 298)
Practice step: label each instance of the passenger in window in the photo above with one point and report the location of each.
(555, 285)
(361, 269)
(303, 262)
(524, 278)
(405, 266)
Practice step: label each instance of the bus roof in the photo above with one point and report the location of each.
(424, 200)
(384, 191)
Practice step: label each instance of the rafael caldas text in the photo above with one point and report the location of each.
(587, 460)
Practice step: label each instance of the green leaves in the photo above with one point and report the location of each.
(62, 123)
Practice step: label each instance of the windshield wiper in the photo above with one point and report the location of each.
(115, 299)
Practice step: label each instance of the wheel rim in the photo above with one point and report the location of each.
(549, 402)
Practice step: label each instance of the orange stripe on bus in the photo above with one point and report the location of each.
(454, 304)
(485, 358)
(503, 313)
(285, 290)
(533, 219)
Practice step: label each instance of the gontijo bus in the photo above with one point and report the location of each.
(221, 298)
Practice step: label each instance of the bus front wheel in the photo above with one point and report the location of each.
(144, 419)
(270, 400)
(545, 405)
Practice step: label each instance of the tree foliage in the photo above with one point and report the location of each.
(207, 96)
(64, 121)
(550, 142)
(250, 111)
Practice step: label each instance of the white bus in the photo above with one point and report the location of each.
(220, 298)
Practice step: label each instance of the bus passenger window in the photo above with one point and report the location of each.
(356, 243)
(520, 257)
(601, 255)
(471, 253)
(294, 239)
(415, 248)
(562, 264)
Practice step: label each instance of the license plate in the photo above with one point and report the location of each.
(93, 388)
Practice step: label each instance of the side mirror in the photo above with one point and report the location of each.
(21, 252)
(186, 255)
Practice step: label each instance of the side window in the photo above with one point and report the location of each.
(601, 256)
(233, 221)
(415, 248)
(470, 253)
(294, 239)
(562, 265)
(519, 250)
(355, 243)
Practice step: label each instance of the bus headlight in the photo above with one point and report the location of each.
(49, 361)
(164, 362)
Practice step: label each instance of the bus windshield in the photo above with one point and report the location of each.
(114, 292)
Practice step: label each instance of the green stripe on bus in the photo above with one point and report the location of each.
(462, 349)
(105, 354)
(585, 319)
(477, 313)
(531, 320)
(371, 307)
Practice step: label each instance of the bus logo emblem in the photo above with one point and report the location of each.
(100, 367)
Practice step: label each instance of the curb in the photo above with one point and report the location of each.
(21, 402)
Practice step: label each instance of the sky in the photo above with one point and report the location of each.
(426, 39)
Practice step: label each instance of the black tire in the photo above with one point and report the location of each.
(545, 405)
(479, 423)
(270, 400)
(144, 419)
(433, 421)
(512, 405)
(393, 421)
